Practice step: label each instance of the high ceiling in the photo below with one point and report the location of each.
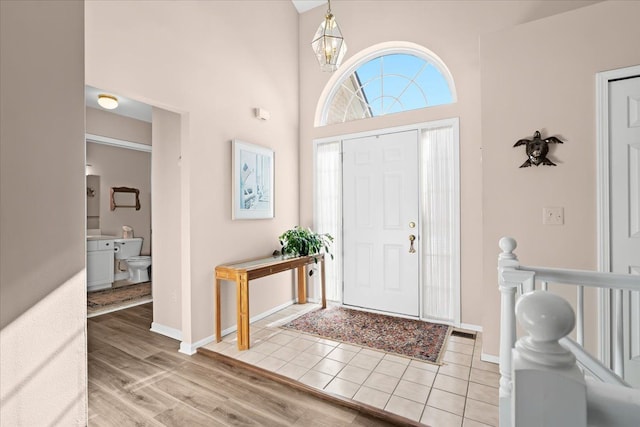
(304, 5)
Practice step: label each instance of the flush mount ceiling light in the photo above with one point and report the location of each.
(108, 102)
(328, 43)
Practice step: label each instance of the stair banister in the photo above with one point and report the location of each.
(513, 277)
(548, 387)
(509, 279)
(593, 279)
(616, 282)
(580, 315)
(618, 338)
(592, 365)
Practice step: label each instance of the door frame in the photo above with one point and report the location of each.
(453, 122)
(603, 200)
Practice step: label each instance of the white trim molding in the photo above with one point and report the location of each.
(489, 358)
(471, 327)
(603, 197)
(191, 349)
(372, 52)
(114, 142)
(167, 331)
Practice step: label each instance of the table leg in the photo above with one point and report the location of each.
(322, 281)
(217, 308)
(302, 285)
(243, 311)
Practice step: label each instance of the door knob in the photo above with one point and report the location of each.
(412, 239)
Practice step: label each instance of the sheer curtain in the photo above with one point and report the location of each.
(439, 233)
(328, 211)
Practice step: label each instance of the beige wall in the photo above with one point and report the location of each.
(104, 123)
(541, 75)
(451, 29)
(210, 62)
(121, 167)
(43, 375)
(166, 220)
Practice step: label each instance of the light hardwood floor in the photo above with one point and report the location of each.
(137, 377)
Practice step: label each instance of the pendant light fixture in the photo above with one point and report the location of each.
(328, 43)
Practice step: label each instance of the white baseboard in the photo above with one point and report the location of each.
(176, 334)
(471, 327)
(190, 349)
(260, 316)
(489, 358)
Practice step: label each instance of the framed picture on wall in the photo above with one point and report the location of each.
(253, 172)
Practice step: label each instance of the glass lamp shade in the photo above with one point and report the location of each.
(328, 44)
(108, 102)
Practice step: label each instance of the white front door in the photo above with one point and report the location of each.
(380, 214)
(624, 142)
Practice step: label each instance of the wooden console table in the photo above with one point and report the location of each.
(244, 271)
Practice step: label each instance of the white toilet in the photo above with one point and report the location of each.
(129, 264)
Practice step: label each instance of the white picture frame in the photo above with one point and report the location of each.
(253, 191)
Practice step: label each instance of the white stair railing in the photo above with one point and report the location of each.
(592, 365)
(616, 283)
(512, 277)
(548, 387)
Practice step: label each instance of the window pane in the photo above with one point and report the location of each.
(389, 84)
(328, 217)
(403, 65)
(435, 86)
(370, 70)
(438, 193)
(373, 89)
(413, 98)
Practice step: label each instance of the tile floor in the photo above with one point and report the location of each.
(463, 391)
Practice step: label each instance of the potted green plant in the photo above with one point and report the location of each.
(299, 241)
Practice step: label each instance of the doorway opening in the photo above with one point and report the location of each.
(118, 174)
(164, 136)
(391, 199)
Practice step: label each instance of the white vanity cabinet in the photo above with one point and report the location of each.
(99, 262)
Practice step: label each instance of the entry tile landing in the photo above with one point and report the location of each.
(462, 391)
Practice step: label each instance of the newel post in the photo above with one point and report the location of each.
(548, 387)
(507, 260)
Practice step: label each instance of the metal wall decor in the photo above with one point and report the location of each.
(537, 150)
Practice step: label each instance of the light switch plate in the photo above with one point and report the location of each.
(553, 216)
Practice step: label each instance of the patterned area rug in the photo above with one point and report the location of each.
(108, 300)
(406, 337)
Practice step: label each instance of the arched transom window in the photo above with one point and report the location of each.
(389, 83)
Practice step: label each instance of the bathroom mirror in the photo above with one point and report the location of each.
(125, 197)
(93, 201)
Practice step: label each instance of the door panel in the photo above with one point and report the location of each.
(380, 193)
(624, 112)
